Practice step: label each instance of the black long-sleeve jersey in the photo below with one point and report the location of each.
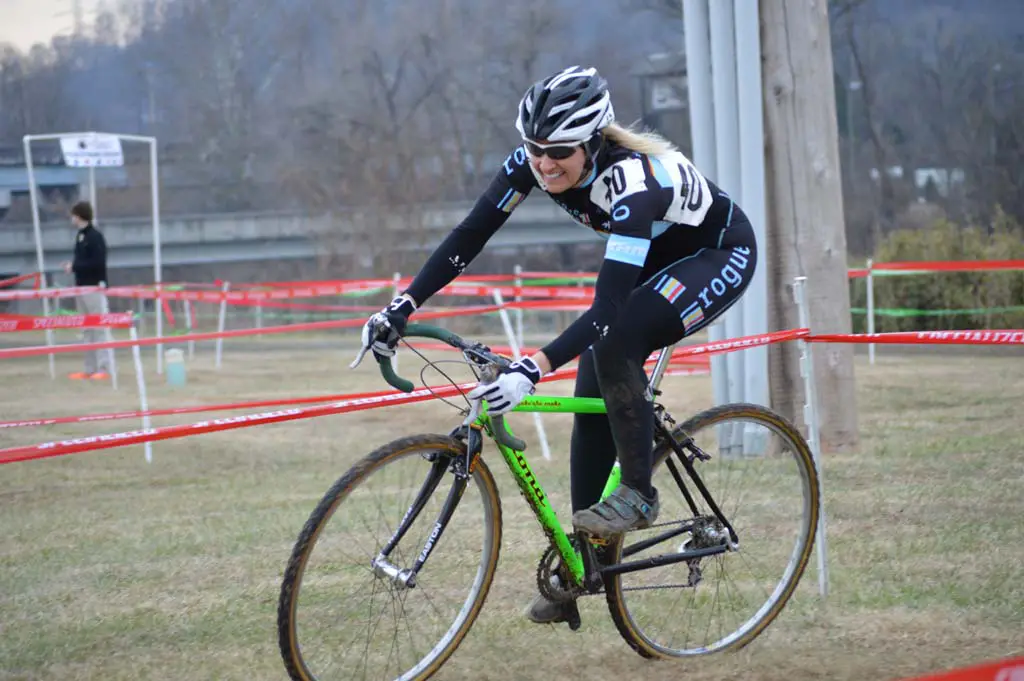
(90, 261)
(652, 210)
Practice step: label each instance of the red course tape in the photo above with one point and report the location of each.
(373, 400)
(119, 320)
(995, 337)
(353, 403)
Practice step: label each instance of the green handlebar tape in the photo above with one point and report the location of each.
(429, 331)
(420, 330)
(503, 435)
(500, 430)
(392, 378)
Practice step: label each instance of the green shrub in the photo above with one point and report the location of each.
(987, 292)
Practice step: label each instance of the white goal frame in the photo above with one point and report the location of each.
(155, 198)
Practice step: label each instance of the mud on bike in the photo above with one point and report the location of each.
(394, 564)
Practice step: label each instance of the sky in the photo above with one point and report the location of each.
(26, 22)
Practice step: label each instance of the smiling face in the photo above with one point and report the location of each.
(559, 174)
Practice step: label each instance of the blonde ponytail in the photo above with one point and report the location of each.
(643, 141)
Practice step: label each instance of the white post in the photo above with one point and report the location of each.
(49, 332)
(723, 84)
(157, 260)
(697, 37)
(189, 328)
(220, 322)
(113, 367)
(697, 42)
(140, 311)
(811, 415)
(158, 314)
(507, 324)
(92, 192)
(518, 282)
(871, 310)
(109, 336)
(34, 200)
(752, 194)
(140, 379)
(396, 278)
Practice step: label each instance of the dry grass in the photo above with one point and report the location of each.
(114, 569)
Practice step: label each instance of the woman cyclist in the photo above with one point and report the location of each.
(679, 253)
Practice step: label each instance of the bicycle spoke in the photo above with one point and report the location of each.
(671, 611)
(387, 628)
(749, 560)
(714, 605)
(395, 646)
(762, 498)
(404, 619)
(370, 630)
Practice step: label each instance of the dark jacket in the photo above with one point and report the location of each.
(90, 263)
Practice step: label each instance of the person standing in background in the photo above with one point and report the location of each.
(90, 269)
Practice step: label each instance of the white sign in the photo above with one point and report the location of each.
(92, 150)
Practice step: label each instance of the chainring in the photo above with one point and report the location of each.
(550, 565)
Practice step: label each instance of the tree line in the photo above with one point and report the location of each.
(323, 104)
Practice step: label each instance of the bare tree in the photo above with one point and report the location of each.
(857, 20)
(370, 159)
(935, 97)
(14, 105)
(953, 112)
(252, 101)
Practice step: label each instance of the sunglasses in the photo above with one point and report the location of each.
(556, 152)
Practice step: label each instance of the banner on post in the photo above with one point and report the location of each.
(92, 150)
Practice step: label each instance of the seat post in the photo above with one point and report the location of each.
(659, 370)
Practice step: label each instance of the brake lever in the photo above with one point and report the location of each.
(366, 348)
(359, 357)
(474, 413)
(498, 428)
(489, 374)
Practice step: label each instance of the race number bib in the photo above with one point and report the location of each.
(691, 196)
(617, 182)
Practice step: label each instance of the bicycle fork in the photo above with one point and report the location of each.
(405, 578)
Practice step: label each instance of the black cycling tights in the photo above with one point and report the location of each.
(674, 303)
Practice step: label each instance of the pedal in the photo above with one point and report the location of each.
(573, 620)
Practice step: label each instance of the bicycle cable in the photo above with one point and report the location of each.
(428, 363)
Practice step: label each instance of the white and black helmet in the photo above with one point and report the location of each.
(570, 106)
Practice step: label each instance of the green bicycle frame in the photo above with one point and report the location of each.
(530, 486)
(517, 464)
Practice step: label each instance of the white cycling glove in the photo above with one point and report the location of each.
(383, 329)
(509, 389)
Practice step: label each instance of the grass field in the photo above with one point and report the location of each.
(111, 568)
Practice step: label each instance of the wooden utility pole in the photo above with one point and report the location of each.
(805, 212)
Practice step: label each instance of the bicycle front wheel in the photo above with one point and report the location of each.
(341, 616)
(759, 472)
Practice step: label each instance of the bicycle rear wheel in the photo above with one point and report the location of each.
(762, 477)
(343, 616)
